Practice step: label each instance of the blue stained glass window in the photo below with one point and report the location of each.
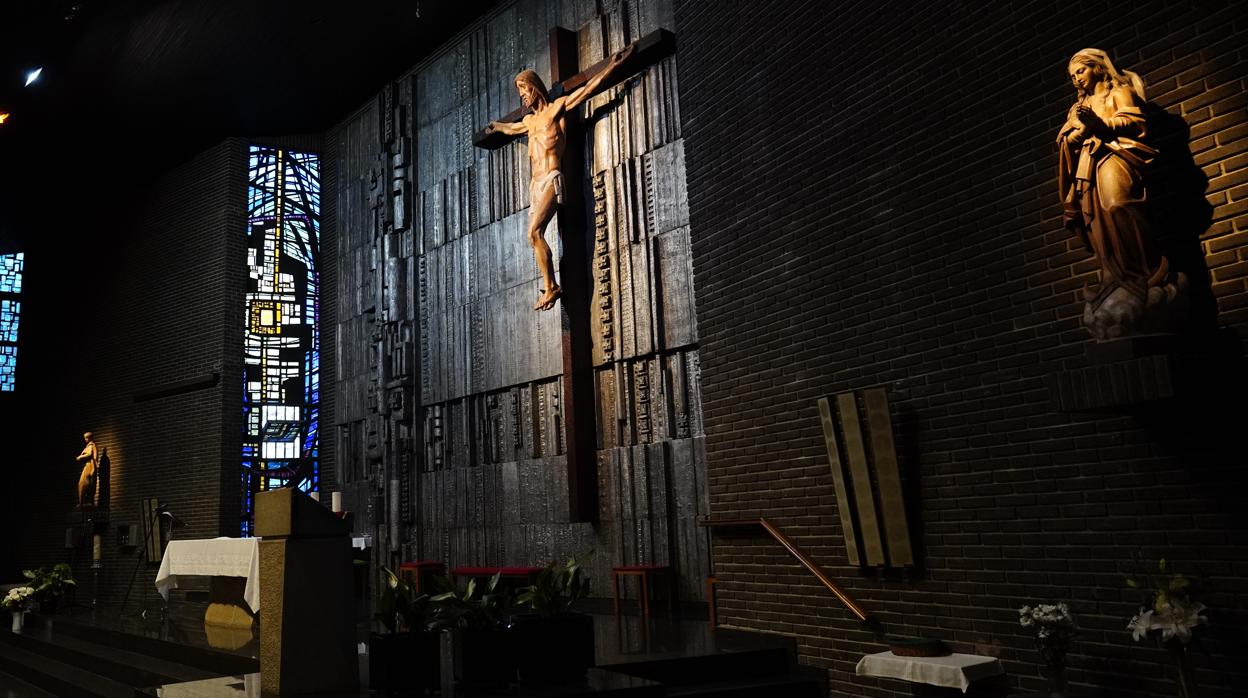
(11, 267)
(9, 313)
(281, 346)
(8, 367)
(11, 272)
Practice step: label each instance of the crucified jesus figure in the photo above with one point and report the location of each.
(546, 128)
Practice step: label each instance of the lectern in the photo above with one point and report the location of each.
(307, 633)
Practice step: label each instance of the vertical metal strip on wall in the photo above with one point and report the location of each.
(838, 480)
(855, 449)
(896, 530)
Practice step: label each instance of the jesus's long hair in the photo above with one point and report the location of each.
(532, 78)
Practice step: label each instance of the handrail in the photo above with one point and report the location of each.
(803, 558)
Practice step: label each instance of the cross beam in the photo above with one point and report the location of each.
(577, 381)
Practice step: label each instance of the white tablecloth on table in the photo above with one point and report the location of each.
(951, 671)
(214, 557)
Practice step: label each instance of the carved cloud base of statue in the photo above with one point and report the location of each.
(1119, 313)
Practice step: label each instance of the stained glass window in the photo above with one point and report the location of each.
(281, 361)
(11, 267)
(9, 312)
(11, 272)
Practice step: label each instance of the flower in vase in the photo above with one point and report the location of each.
(1171, 611)
(18, 599)
(1177, 619)
(1052, 626)
(1140, 624)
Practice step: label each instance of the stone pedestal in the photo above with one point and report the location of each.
(307, 634)
(1134, 373)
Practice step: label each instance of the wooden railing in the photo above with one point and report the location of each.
(859, 612)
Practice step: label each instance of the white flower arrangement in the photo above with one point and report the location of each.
(18, 599)
(1053, 626)
(1175, 620)
(1171, 616)
(1172, 611)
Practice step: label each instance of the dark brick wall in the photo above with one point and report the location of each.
(10, 405)
(154, 298)
(873, 201)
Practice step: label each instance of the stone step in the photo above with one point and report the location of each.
(799, 684)
(213, 662)
(702, 669)
(13, 687)
(60, 679)
(110, 660)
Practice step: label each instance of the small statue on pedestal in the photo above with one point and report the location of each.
(1102, 158)
(86, 481)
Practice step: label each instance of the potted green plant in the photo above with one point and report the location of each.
(405, 658)
(50, 585)
(478, 620)
(555, 644)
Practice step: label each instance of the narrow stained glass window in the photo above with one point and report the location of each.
(281, 362)
(11, 267)
(9, 313)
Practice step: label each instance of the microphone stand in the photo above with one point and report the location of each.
(152, 522)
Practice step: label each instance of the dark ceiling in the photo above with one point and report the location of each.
(132, 85)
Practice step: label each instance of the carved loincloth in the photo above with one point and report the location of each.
(538, 186)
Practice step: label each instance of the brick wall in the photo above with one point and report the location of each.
(153, 298)
(889, 216)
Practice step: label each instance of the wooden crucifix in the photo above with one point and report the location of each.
(550, 120)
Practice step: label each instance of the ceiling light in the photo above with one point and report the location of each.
(33, 76)
(4, 116)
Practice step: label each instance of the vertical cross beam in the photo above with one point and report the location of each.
(577, 385)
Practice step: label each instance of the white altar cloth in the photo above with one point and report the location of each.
(951, 671)
(212, 557)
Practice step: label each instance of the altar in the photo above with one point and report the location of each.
(218, 558)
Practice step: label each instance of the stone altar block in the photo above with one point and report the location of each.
(307, 637)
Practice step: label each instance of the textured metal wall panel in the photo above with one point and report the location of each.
(675, 278)
(448, 383)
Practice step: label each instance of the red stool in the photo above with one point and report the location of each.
(644, 573)
(413, 572)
